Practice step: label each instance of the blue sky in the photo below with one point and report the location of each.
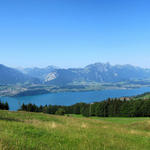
(74, 33)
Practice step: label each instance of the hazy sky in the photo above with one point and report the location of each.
(74, 33)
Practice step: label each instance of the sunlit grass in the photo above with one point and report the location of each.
(37, 131)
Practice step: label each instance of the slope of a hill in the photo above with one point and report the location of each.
(30, 131)
(40, 73)
(13, 76)
(99, 73)
(143, 96)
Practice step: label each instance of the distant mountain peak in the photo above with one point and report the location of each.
(13, 76)
(97, 72)
(52, 66)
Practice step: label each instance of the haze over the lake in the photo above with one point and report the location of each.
(74, 33)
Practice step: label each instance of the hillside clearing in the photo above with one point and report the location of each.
(37, 131)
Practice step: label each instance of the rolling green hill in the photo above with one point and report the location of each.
(143, 96)
(37, 131)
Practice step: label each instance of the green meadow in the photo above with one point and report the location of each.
(38, 131)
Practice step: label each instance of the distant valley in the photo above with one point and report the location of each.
(32, 81)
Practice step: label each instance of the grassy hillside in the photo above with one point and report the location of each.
(143, 96)
(37, 131)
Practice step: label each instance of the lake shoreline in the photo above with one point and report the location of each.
(69, 98)
(43, 91)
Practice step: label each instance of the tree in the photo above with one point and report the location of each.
(23, 107)
(60, 111)
(85, 110)
(93, 109)
(6, 106)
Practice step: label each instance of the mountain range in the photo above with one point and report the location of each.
(51, 75)
(98, 72)
(14, 76)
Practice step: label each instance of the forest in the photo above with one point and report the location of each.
(112, 107)
(4, 106)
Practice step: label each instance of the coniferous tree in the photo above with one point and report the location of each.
(60, 111)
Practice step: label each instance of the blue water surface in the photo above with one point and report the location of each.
(69, 98)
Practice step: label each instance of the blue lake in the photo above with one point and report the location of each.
(69, 98)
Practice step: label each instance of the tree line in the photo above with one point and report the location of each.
(4, 106)
(116, 107)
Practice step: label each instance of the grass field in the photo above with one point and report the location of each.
(143, 96)
(37, 131)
